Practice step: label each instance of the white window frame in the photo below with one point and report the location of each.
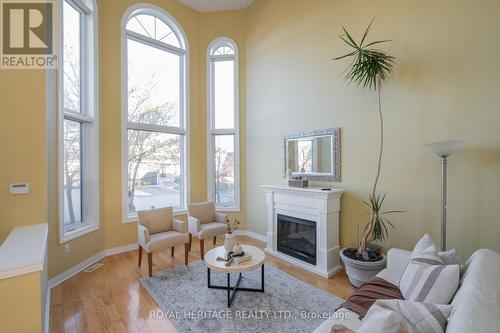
(183, 129)
(212, 131)
(88, 117)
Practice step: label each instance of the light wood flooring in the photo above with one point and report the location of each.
(111, 299)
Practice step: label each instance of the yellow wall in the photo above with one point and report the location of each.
(445, 86)
(20, 308)
(22, 148)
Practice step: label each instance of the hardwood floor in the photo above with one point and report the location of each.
(111, 299)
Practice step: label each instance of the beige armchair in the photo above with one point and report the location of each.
(205, 223)
(158, 230)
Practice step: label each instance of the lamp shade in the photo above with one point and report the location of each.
(445, 148)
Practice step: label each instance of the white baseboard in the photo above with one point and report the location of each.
(46, 323)
(101, 255)
(250, 234)
(77, 269)
(88, 262)
(121, 249)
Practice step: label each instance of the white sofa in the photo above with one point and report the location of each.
(476, 304)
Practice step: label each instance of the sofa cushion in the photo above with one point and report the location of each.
(204, 211)
(343, 317)
(156, 220)
(399, 316)
(477, 302)
(374, 289)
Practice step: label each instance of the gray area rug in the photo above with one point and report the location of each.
(287, 305)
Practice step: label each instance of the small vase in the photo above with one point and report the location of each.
(229, 242)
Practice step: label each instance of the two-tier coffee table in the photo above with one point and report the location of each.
(257, 260)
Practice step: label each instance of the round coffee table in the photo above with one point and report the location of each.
(257, 260)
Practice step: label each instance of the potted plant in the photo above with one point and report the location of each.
(369, 68)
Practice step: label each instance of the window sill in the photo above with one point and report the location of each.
(133, 219)
(78, 233)
(227, 209)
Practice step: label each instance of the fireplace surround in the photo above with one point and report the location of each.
(312, 206)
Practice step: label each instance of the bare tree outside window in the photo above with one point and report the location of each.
(305, 150)
(157, 152)
(224, 170)
(72, 130)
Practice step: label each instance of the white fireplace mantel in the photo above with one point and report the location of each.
(312, 204)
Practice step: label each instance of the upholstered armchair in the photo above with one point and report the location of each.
(158, 230)
(205, 223)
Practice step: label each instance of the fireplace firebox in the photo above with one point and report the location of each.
(297, 238)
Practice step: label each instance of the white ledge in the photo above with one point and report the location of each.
(314, 190)
(23, 251)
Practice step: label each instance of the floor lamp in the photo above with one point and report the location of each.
(444, 149)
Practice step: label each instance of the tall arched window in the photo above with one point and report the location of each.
(223, 134)
(78, 119)
(154, 112)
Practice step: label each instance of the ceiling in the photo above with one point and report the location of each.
(215, 5)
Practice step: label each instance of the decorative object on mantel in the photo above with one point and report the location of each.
(229, 239)
(298, 182)
(369, 69)
(444, 149)
(312, 155)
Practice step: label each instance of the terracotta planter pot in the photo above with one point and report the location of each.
(361, 271)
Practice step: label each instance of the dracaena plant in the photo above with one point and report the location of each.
(370, 68)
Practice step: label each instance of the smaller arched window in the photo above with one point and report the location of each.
(223, 131)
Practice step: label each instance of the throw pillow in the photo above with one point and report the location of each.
(425, 252)
(405, 317)
(426, 278)
(449, 257)
(430, 283)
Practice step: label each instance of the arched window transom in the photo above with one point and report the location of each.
(153, 27)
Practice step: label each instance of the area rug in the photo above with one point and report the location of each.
(287, 305)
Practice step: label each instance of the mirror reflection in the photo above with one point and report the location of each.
(310, 155)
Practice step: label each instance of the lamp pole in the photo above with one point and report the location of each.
(444, 164)
(444, 149)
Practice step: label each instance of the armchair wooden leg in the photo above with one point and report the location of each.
(215, 239)
(172, 250)
(190, 241)
(186, 253)
(140, 255)
(202, 248)
(150, 264)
